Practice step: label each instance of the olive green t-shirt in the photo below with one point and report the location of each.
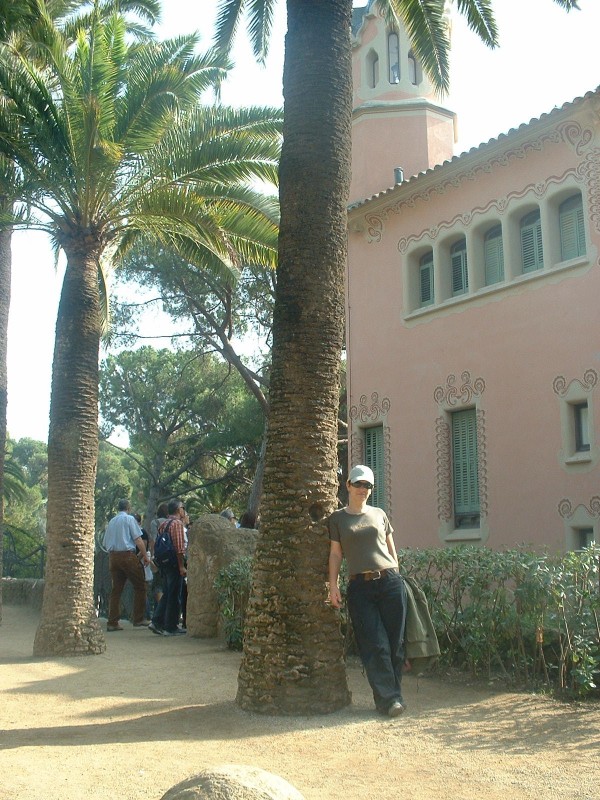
(363, 538)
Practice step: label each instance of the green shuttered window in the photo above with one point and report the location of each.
(374, 459)
(464, 468)
(426, 279)
(458, 257)
(572, 233)
(494, 256)
(532, 253)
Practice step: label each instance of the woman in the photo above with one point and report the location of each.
(362, 534)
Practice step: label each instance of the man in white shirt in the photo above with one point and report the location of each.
(121, 538)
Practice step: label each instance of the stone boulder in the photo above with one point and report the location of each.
(234, 782)
(213, 543)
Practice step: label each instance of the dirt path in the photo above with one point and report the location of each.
(151, 711)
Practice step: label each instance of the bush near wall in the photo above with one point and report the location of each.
(532, 619)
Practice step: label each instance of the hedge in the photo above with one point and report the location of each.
(532, 619)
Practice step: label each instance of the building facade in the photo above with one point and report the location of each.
(473, 313)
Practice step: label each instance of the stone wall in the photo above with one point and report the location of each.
(23, 592)
(213, 543)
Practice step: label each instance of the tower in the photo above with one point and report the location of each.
(398, 128)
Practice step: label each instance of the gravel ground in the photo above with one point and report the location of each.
(152, 711)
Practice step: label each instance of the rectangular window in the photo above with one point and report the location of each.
(464, 469)
(584, 537)
(374, 459)
(582, 430)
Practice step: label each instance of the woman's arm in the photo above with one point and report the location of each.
(389, 540)
(335, 562)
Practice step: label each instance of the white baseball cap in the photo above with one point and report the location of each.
(361, 473)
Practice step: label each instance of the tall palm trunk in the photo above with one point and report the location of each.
(293, 656)
(68, 623)
(5, 278)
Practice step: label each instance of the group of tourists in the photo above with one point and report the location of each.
(135, 556)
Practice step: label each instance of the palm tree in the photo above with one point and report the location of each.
(112, 147)
(16, 19)
(292, 660)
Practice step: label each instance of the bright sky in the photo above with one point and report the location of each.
(546, 58)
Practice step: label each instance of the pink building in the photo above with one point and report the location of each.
(473, 313)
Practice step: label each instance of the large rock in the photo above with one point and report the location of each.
(213, 543)
(234, 782)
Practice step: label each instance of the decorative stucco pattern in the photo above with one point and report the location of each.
(500, 205)
(444, 469)
(369, 411)
(365, 413)
(376, 221)
(571, 132)
(482, 463)
(566, 508)
(587, 383)
(357, 448)
(452, 395)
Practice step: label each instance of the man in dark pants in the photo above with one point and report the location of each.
(121, 538)
(165, 619)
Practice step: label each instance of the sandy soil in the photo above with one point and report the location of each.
(152, 711)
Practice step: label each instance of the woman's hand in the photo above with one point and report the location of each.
(335, 596)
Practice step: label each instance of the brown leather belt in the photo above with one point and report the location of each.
(373, 575)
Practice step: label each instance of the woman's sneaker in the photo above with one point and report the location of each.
(396, 709)
(152, 627)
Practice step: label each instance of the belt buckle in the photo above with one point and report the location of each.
(376, 573)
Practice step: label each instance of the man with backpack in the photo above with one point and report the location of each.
(169, 549)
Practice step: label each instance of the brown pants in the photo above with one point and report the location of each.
(124, 566)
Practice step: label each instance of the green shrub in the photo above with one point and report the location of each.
(530, 618)
(233, 585)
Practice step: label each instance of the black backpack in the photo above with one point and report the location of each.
(164, 552)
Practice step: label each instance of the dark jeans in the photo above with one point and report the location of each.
(378, 613)
(166, 614)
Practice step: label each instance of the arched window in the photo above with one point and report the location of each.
(393, 44)
(412, 69)
(493, 255)
(572, 232)
(458, 260)
(532, 253)
(372, 69)
(426, 295)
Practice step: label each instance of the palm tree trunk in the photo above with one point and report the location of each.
(293, 656)
(69, 625)
(5, 279)
(256, 490)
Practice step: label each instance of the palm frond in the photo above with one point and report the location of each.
(480, 19)
(15, 486)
